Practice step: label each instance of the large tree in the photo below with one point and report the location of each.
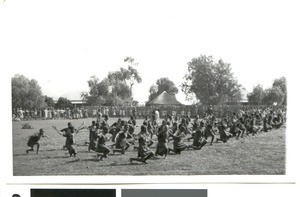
(273, 95)
(63, 103)
(26, 93)
(49, 101)
(162, 84)
(211, 82)
(257, 95)
(276, 94)
(116, 88)
(281, 84)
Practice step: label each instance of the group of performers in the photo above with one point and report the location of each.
(123, 135)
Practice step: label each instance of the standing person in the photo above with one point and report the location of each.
(124, 112)
(86, 115)
(107, 111)
(81, 112)
(144, 152)
(99, 115)
(69, 114)
(69, 133)
(162, 136)
(93, 136)
(49, 113)
(21, 114)
(34, 140)
(39, 113)
(120, 111)
(45, 113)
(94, 112)
(156, 114)
(53, 113)
(134, 112)
(114, 112)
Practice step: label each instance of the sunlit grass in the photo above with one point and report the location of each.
(263, 154)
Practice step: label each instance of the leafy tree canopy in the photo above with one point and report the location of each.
(63, 103)
(49, 101)
(116, 88)
(26, 93)
(162, 84)
(276, 94)
(211, 82)
(257, 95)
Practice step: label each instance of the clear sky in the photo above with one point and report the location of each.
(62, 43)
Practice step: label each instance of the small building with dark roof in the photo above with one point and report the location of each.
(164, 99)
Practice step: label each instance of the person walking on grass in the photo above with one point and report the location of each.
(34, 140)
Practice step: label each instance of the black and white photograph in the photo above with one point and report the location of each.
(143, 88)
(154, 89)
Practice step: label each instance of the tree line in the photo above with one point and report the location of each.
(207, 81)
(27, 94)
(277, 94)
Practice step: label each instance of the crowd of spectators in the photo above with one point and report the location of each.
(49, 113)
(121, 111)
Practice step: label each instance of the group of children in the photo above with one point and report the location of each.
(123, 135)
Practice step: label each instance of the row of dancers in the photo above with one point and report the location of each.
(107, 139)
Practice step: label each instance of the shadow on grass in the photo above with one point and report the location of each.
(82, 145)
(126, 164)
(17, 155)
(73, 161)
(56, 157)
(53, 150)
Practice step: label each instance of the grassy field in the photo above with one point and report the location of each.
(263, 154)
